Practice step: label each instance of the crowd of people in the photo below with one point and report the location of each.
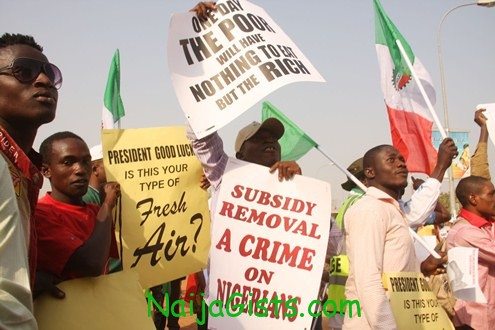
(69, 233)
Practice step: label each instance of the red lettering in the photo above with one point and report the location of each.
(224, 241)
(264, 198)
(226, 208)
(237, 192)
(243, 243)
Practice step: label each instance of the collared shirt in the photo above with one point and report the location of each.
(377, 241)
(472, 230)
(92, 196)
(27, 181)
(16, 304)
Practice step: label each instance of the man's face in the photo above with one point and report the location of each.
(69, 169)
(99, 171)
(390, 170)
(262, 148)
(25, 104)
(485, 200)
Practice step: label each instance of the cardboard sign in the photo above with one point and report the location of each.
(413, 303)
(269, 242)
(107, 302)
(462, 270)
(222, 67)
(165, 216)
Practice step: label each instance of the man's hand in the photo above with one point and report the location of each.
(203, 9)
(286, 169)
(204, 183)
(446, 152)
(416, 182)
(45, 282)
(480, 118)
(112, 192)
(434, 266)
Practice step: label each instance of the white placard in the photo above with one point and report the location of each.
(421, 252)
(462, 270)
(222, 67)
(269, 239)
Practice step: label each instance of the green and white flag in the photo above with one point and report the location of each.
(294, 143)
(113, 108)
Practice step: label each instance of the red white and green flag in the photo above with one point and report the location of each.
(113, 108)
(410, 121)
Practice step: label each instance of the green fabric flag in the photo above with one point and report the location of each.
(113, 108)
(295, 143)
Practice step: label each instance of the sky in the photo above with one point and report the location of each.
(345, 116)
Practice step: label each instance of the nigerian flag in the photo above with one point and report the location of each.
(294, 143)
(113, 108)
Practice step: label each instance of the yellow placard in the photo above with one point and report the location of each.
(164, 215)
(413, 303)
(114, 301)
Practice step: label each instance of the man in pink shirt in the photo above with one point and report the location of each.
(475, 228)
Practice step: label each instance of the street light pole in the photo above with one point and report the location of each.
(483, 3)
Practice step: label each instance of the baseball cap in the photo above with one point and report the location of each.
(272, 125)
(96, 152)
(356, 169)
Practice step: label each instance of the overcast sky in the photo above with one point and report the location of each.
(346, 115)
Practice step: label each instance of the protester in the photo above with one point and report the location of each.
(416, 211)
(28, 99)
(74, 238)
(98, 177)
(256, 143)
(475, 228)
(382, 243)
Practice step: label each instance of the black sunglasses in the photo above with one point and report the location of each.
(26, 70)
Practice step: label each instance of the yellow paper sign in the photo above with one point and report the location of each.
(114, 301)
(413, 303)
(165, 216)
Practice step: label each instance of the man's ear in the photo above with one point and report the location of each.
(369, 173)
(45, 170)
(473, 200)
(94, 168)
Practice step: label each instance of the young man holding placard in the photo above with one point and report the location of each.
(74, 238)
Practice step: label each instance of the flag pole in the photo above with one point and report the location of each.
(344, 170)
(363, 187)
(421, 89)
(435, 119)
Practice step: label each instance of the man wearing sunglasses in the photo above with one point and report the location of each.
(28, 99)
